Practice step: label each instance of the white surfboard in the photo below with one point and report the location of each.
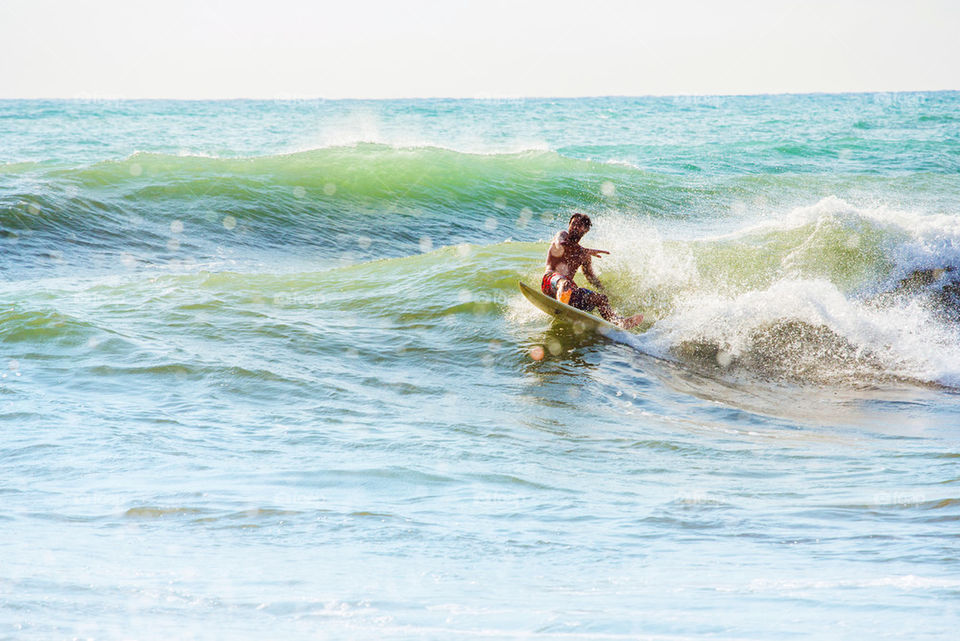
(579, 318)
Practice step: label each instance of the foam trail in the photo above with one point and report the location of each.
(828, 293)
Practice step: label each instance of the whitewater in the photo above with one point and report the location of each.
(266, 371)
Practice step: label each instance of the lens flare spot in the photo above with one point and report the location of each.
(608, 189)
(536, 353)
(724, 359)
(526, 214)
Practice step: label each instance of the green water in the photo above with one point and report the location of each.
(267, 374)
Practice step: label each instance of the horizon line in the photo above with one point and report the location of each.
(478, 97)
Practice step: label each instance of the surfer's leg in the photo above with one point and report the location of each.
(566, 292)
(588, 300)
(557, 286)
(602, 304)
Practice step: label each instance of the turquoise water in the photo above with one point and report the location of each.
(266, 372)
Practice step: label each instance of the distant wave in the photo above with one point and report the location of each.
(385, 199)
(314, 196)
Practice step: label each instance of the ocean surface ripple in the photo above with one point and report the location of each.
(267, 373)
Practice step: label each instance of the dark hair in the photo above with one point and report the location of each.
(582, 218)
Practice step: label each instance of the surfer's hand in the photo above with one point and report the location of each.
(597, 252)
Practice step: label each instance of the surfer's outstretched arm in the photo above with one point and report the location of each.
(601, 302)
(589, 273)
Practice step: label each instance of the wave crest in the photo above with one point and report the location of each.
(825, 293)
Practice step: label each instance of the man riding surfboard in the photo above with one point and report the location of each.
(565, 257)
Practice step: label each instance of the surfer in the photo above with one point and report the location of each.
(565, 257)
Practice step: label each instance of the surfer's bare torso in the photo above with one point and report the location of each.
(566, 256)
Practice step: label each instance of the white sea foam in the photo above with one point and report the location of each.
(819, 292)
(898, 582)
(912, 240)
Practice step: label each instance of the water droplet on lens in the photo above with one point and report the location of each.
(524, 219)
(724, 359)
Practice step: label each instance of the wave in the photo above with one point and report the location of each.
(349, 204)
(835, 292)
(370, 199)
(363, 171)
(829, 293)
(364, 201)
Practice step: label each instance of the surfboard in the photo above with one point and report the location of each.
(580, 319)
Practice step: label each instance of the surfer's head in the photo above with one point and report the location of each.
(579, 225)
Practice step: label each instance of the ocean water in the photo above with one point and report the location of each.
(266, 373)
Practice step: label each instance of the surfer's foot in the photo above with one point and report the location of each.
(631, 321)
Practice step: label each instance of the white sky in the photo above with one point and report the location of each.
(384, 49)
